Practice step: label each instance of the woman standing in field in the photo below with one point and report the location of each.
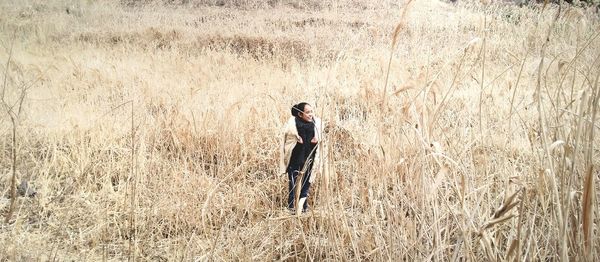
(299, 153)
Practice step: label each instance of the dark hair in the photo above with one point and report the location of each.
(299, 108)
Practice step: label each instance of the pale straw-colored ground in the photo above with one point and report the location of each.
(151, 131)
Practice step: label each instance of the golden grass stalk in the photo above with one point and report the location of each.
(544, 142)
(7, 107)
(13, 109)
(522, 215)
(589, 187)
(481, 91)
(499, 220)
(133, 184)
(588, 210)
(508, 204)
(401, 25)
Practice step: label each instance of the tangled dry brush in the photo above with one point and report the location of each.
(149, 130)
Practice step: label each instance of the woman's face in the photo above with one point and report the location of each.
(307, 114)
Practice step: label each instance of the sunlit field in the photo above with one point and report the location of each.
(150, 130)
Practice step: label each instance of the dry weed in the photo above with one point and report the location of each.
(151, 130)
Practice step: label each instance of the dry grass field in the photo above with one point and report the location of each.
(149, 130)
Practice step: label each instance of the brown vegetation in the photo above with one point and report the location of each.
(150, 130)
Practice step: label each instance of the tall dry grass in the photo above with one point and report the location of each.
(151, 132)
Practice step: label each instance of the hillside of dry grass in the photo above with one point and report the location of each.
(150, 131)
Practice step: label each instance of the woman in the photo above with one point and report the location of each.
(299, 152)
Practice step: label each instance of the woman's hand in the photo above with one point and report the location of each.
(314, 140)
(299, 139)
